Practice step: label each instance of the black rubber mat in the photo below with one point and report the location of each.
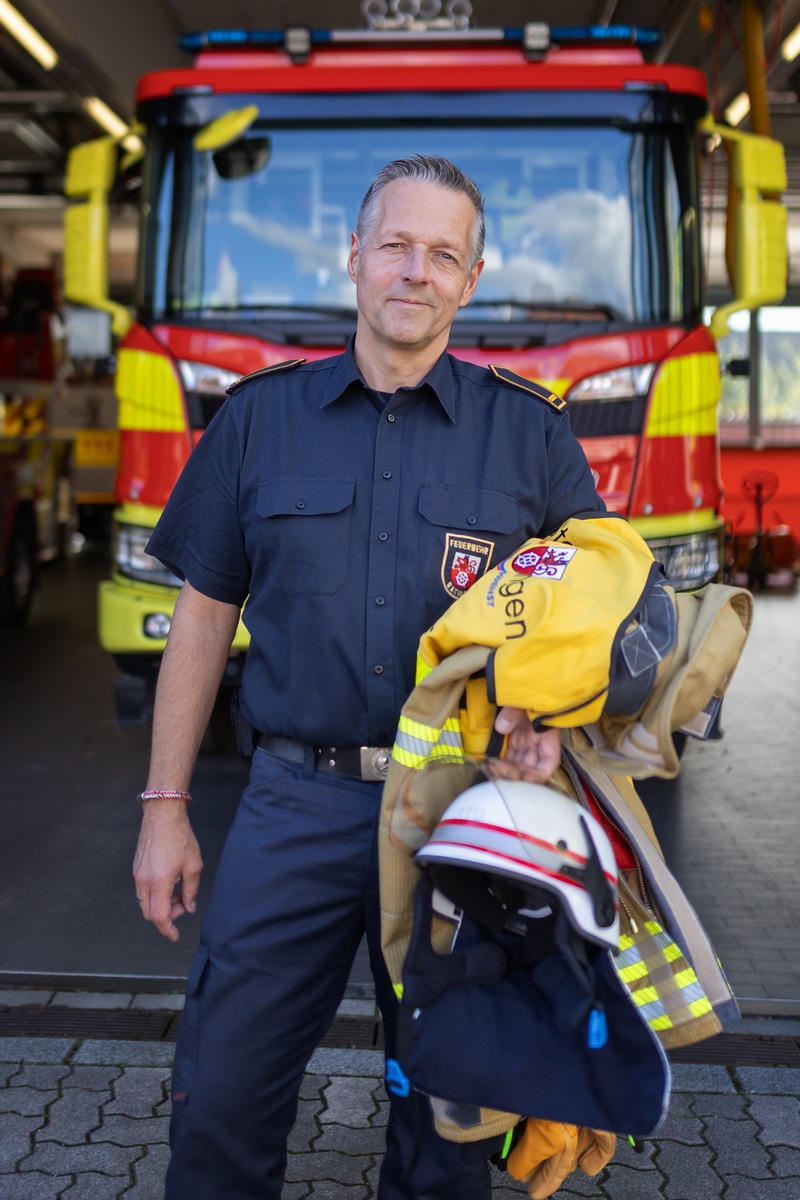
(153, 1025)
(348, 1032)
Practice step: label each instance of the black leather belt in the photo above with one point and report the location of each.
(368, 763)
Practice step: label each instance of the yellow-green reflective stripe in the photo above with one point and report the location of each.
(411, 733)
(699, 1007)
(417, 730)
(686, 979)
(417, 743)
(508, 1143)
(634, 971)
(653, 927)
(398, 990)
(693, 992)
(645, 995)
(628, 953)
(656, 1015)
(671, 952)
(409, 760)
(451, 753)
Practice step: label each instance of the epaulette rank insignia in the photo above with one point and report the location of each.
(527, 385)
(281, 366)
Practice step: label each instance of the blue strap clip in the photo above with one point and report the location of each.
(397, 1082)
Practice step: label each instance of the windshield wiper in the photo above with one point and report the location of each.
(536, 311)
(254, 311)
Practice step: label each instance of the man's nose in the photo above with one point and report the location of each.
(415, 265)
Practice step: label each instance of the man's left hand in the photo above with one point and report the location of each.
(529, 755)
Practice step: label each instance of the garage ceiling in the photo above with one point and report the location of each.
(104, 48)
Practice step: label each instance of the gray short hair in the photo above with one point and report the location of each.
(425, 168)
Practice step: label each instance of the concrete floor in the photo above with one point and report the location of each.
(68, 819)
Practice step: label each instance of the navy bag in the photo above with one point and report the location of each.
(542, 1027)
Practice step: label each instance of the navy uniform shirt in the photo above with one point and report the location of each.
(351, 527)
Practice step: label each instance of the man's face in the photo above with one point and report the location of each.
(412, 272)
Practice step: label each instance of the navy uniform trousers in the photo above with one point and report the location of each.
(296, 889)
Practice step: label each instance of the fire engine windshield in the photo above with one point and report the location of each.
(586, 221)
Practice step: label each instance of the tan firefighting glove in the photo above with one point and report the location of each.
(548, 1151)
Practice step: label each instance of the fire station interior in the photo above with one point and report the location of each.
(71, 770)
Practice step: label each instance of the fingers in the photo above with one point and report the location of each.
(509, 718)
(528, 754)
(166, 872)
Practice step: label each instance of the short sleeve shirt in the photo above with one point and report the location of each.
(349, 527)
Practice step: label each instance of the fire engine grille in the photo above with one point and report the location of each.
(347, 1032)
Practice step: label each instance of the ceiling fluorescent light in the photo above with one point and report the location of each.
(790, 46)
(104, 117)
(738, 109)
(27, 36)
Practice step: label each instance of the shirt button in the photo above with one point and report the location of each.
(382, 537)
(378, 670)
(300, 504)
(380, 601)
(387, 474)
(390, 417)
(472, 520)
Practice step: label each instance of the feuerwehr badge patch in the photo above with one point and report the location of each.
(465, 560)
(547, 560)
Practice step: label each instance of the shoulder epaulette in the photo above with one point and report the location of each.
(281, 366)
(527, 385)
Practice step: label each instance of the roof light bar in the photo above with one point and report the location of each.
(535, 36)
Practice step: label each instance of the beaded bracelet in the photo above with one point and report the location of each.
(168, 794)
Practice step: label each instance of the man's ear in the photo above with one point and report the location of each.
(472, 283)
(352, 257)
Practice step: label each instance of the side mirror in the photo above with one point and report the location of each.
(760, 248)
(738, 367)
(225, 130)
(91, 168)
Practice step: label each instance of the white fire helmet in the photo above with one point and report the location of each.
(537, 838)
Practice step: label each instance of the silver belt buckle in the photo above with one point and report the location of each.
(375, 763)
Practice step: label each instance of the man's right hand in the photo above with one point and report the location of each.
(167, 865)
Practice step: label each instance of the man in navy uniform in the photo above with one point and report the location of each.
(349, 500)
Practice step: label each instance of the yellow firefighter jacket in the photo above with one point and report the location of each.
(488, 650)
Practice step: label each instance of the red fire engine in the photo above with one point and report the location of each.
(589, 159)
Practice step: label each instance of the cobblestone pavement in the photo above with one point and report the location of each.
(87, 1120)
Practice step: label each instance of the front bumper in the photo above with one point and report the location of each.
(134, 618)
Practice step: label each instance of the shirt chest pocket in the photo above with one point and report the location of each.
(462, 533)
(305, 533)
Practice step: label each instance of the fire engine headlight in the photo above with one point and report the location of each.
(131, 559)
(623, 383)
(205, 379)
(204, 388)
(690, 561)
